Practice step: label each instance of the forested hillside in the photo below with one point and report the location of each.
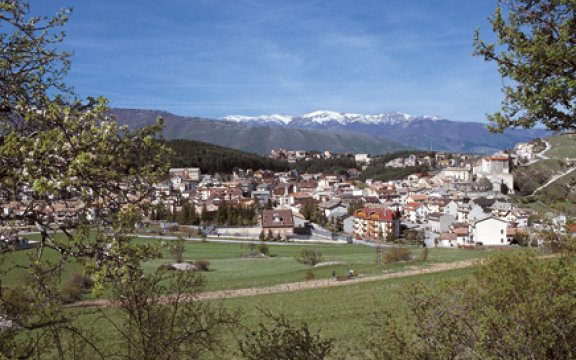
(213, 158)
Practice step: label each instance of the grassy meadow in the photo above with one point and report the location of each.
(344, 313)
(230, 268)
(563, 146)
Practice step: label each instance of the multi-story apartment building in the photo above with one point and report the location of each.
(376, 223)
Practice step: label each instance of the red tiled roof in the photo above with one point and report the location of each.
(413, 205)
(378, 214)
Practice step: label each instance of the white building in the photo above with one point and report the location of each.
(362, 158)
(460, 174)
(189, 174)
(489, 232)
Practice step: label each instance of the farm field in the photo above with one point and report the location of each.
(230, 269)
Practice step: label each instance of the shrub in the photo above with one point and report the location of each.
(396, 254)
(263, 249)
(477, 318)
(309, 257)
(73, 289)
(284, 340)
(202, 265)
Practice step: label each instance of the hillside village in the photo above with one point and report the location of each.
(462, 201)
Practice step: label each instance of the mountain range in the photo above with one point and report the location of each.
(255, 138)
(333, 131)
(424, 132)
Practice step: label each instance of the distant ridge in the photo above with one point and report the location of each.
(257, 139)
(423, 132)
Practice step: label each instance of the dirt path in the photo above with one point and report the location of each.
(305, 285)
(553, 179)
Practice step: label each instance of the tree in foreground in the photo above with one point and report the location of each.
(536, 55)
(159, 318)
(71, 174)
(516, 307)
(282, 340)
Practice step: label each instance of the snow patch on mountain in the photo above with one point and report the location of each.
(322, 117)
(273, 118)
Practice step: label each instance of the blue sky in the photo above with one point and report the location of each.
(213, 58)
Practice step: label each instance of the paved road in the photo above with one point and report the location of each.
(234, 241)
(540, 155)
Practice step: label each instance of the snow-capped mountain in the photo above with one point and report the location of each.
(426, 132)
(326, 118)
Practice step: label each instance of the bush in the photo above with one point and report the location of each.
(397, 254)
(476, 318)
(73, 289)
(202, 265)
(309, 257)
(282, 340)
(263, 249)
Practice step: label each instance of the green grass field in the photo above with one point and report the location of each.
(344, 313)
(230, 270)
(563, 146)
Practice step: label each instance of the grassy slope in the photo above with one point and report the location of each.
(563, 146)
(558, 196)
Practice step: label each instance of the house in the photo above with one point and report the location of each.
(362, 158)
(376, 223)
(278, 221)
(185, 174)
(461, 232)
(333, 207)
(518, 217)
(415, 212)
(456, 173)
(439, 222)
(261, 196)
(348, 224)
(447, 239)
(476, 213)
(497, 170)
(489, 231)
(451, 208)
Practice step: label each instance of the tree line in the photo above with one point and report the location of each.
(225, 214)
